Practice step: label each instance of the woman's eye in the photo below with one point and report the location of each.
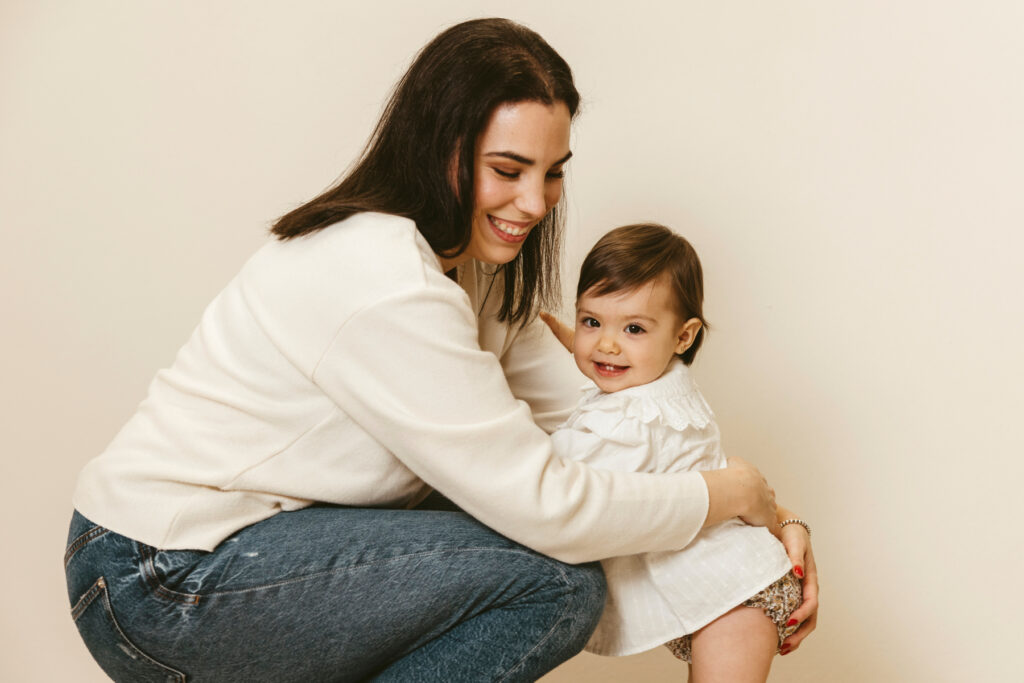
(556, 175)
(634, 329)
(507, 174)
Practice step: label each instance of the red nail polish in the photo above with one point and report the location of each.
(785, 651)
(799, 572)
(792, 622)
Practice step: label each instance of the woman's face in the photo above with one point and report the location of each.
(517, 178)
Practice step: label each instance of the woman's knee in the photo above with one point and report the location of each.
(588, 592)
(570, 619)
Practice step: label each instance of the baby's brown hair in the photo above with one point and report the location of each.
(629, 257)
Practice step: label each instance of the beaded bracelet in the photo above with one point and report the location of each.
(796, 521)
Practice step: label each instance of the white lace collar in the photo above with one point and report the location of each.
(672, 400)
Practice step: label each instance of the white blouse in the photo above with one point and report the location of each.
(666, 426)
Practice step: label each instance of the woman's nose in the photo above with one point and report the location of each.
(531, 201)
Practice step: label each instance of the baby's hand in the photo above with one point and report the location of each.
(562, 332)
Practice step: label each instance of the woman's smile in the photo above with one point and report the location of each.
(510, 231)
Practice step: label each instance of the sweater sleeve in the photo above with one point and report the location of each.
(409, 370)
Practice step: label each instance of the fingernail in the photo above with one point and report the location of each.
(798, 571)
(792, 622)
(785, 651)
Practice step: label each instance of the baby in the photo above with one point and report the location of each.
(722, 603)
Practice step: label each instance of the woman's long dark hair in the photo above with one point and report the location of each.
(436, 113)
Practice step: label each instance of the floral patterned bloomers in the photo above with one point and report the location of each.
(778, 601)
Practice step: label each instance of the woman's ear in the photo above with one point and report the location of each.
(687, 334)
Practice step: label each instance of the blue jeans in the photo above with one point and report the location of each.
(331, 594)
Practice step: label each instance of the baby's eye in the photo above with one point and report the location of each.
(589, 322)
(512, 175)
(634, 329)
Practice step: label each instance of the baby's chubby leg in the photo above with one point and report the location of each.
(737, 647)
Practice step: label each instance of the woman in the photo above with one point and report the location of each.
(253, 520)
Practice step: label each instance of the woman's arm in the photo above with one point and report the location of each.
(409, 370)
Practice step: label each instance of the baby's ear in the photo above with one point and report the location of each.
(687, 334)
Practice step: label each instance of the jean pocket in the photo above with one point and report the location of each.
(110, 647)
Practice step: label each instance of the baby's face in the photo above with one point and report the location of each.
(626, 339)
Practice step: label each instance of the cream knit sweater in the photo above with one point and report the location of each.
(345, 367)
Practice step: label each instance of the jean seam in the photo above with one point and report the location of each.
(82, 541)
(194, 598)
(113, 620)
(547, 636)
(87, 598)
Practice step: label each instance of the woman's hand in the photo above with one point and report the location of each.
(563, 332)
(798, 546)
(740, 490)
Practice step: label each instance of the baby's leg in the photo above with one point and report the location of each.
(737, 647)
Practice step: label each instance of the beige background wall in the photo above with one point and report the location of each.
(851, 173)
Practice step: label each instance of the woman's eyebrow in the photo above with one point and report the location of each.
(524, 160)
